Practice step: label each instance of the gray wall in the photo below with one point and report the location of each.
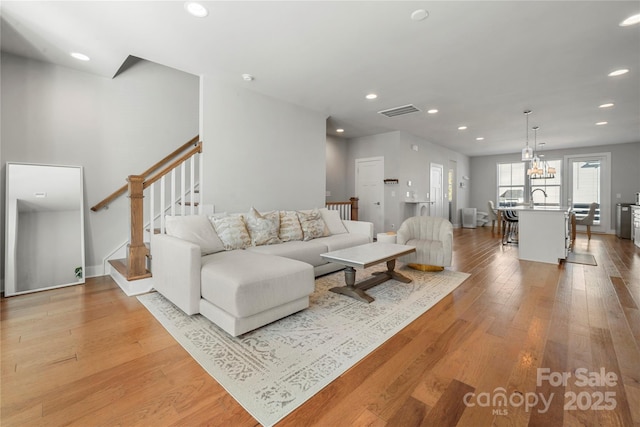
(259, 151)
(337, 166)
(405, 164)
(625, 173)
(112, 127)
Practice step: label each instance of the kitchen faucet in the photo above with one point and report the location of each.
(533, 191)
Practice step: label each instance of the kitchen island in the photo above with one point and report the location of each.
(543, 232)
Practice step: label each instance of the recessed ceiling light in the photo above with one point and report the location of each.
(601, 123)
(432, 111)
(607, 105)
(631, 20)
(480, 138)
(371, 96)
(196, 9)
(618, 72)
(247, 77)
(340, 130)
(419, 15)
(40, 195)
(80, 56)
(462, 128)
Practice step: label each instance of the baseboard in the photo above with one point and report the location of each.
(93, 271)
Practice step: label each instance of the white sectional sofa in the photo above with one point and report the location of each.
(243, 271)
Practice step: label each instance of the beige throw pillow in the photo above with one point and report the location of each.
(232, 231)
(195, 229)
(289, 226)
(263, 228)
(312, 224)
(333, 221)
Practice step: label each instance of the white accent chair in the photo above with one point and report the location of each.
(433, 240)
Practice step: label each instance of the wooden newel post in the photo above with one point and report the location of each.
(354, 208)
(136, 249)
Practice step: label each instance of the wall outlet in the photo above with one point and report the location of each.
(618, 196)
(393, 193)
(393, 226)
(327, 193)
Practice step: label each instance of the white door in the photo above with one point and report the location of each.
(436, 193)
(589, 180)
(370, 191)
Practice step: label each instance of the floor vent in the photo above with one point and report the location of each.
(399, 111)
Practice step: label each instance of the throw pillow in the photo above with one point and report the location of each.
(263, 228)
(195, 229)
(289, 226)
(333, 221)
(232, 231)
(312, 224)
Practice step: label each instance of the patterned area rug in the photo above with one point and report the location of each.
(273, 370)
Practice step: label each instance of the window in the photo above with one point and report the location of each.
(514, 187)
(511, 183)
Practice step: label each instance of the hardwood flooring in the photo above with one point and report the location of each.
(89, 355)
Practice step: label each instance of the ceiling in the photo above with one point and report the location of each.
(479, 63)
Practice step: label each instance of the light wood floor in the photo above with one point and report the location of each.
(88, 355)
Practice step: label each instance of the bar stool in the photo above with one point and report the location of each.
(509, 227)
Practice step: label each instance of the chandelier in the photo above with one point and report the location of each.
(539, 169)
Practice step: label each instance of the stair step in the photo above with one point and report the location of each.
(121, 267)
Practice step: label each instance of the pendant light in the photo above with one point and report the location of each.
(534, 171)
(527, 152)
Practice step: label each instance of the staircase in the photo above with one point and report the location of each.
(169, 187)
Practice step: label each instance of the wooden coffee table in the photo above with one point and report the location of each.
(365, 256)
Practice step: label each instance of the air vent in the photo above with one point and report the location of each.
(399, 111)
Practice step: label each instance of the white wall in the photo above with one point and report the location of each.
(112, 127)
(336, 150)
(625, 173)
(405, 164)
(259, 151)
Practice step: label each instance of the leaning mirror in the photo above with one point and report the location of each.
(44, 246)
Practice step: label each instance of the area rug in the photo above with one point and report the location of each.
(273, 370)
(586, 259)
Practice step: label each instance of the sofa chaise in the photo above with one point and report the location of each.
(243, 271)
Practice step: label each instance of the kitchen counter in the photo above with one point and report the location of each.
(543, 232)
(538, 208)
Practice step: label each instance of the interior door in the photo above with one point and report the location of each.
(436, 193)
(589, 180)
(370, 191)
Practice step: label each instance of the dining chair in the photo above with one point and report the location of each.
(493, 214)
(587, 220)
